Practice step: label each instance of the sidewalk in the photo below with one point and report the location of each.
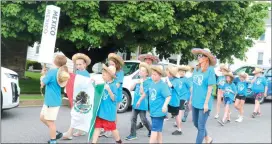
(37, 101)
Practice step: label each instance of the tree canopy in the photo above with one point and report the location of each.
(97, 28)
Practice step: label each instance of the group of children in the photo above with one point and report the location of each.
(236, 92)
(152, 95)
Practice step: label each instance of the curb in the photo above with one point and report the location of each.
(38, 103)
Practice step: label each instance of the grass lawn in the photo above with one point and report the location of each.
(31, 97)
(30, 84)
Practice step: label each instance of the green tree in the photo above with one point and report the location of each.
(98, 28)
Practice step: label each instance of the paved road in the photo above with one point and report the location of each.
(22, 125)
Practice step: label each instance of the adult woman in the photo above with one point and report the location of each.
(201, 100)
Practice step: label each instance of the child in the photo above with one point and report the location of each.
(82, 61)
(229, 92)
(173, 83)
(53, 80)
(159, 97)
(259, 88)
(140, 102)
(106, 115)
(241, 95)
(117, 62)
(220, 84)
(185, 84)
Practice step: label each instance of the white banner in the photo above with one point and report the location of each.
(50, 28)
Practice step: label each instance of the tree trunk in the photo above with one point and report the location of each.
(13, 55)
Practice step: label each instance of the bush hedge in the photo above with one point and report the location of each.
(36, 65)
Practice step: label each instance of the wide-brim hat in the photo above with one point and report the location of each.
(158, 69)
(205, 52)
(257, 70)
(154, 59)
(243, 74)
(117, 58)
(63, 76)
(224, 67)
(173, 71)
(146, 66)
(111, 70)
(184, 68)
(81, 56)
(229, 74)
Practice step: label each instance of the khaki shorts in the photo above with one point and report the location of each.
(50, 113)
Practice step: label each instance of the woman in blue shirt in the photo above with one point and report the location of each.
(220, 83)
(229, 92)
(241, 95)
(201, 99)
(259, 88)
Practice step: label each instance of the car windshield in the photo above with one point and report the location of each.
(247, 70)
(130, 67)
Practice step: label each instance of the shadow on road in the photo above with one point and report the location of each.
(7, 115)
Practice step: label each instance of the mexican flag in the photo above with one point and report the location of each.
(84, 97)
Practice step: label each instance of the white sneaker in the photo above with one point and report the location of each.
(240, 119)
(216, 116)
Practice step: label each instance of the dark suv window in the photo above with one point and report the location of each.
(130, 67)
(247, 70)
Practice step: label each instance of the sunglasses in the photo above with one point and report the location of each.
(201, 56)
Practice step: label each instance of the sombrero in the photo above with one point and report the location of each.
(183, 68)
(229, 74)
(111, 70)
(81, 56)
(63, 76)
(224, 67)
(149, 55)
(243, 74)
(257, 70)
(117, 58)
(172, 70)
(146, 66)
(205, 52)
(158, 69)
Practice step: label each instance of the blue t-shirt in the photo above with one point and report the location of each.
(185, 86)
(107, 108)
(158, 92)
(175, 92)
(201, 81)
(52, 90)
(119, 79)
(230, 87)
(137, 96)
(259, 85)
(83, 73)
(242, 88)
(221, 81)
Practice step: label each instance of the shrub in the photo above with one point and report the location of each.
(36, 65)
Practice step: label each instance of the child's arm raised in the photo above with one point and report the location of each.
(112, 96)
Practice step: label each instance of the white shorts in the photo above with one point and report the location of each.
(50, 113)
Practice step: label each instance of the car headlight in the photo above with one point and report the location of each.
(11, 76)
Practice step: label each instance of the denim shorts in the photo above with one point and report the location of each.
(157, 124)
(227, 100)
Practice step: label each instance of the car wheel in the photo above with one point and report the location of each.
(262, 100)
(125, 103)
(1, 103)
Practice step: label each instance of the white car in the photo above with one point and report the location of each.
(10, 89)
(131, 70)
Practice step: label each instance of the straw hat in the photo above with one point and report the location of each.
(172, 70)
(257, 70)
(158, 69)
(224, 67)
(243, 74)
(229, 74)
(116, 57)
(111, 70)
(146, 66)
(149, 55)
(63, 76)
(184, 68)
(81, 56)
(205, 52)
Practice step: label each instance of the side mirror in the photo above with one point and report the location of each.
(97, 68)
